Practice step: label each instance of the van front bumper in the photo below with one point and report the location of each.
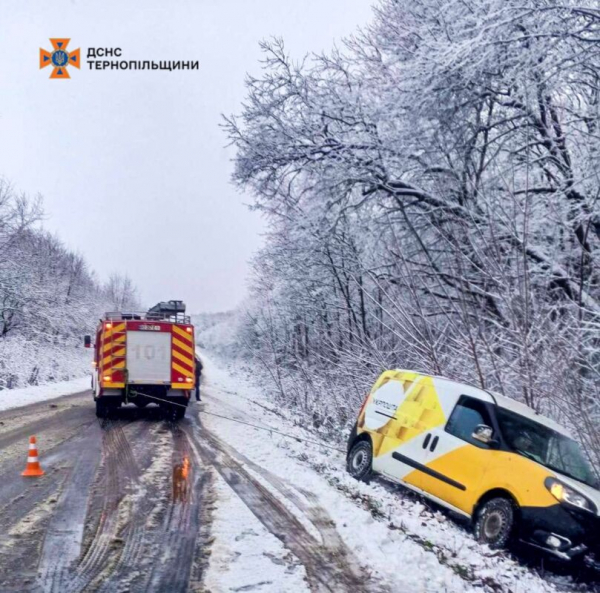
(559, 530)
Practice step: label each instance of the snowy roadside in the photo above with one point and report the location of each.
(404, 543)
(244, 555)
(15, 398)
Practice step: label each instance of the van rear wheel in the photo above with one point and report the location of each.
(360, 460)
(494, 522)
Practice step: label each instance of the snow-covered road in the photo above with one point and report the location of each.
(239, 496)
(391, 538)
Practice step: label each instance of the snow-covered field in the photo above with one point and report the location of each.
(393, 537)
(15, 398)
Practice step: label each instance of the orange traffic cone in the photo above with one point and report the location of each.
(33, 468)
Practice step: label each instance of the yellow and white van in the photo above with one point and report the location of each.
(482, 455)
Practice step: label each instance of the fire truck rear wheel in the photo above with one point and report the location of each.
(175, 411)
(102, 410)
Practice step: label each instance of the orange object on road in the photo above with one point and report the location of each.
(33, 469)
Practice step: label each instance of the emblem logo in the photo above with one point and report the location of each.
(60, 59)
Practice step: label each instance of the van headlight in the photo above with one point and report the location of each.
(568, 495)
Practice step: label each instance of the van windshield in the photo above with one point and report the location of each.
(546, 446)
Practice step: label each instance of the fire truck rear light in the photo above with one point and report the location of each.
(180, 379)
(188, 379)
(108, 325)
(189, 329)
(107, 377)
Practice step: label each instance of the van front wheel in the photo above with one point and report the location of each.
(360, 459)
(494, 522)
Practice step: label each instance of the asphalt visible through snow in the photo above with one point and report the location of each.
(126, 504)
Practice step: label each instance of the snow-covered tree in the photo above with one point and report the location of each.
(48, 298)
(433, 193)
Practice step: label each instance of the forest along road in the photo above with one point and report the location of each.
(127, 504)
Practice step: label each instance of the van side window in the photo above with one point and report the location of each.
(465, 418)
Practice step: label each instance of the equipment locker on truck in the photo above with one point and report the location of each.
(144, 358)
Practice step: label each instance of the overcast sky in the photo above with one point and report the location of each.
(132, 166)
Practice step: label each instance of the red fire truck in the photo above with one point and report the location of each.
(144, 358)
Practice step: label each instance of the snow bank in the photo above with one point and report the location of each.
(31, 372)
(15, 398)
(244, 555)
(27, 362)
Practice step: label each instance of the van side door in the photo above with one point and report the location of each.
(456, 461)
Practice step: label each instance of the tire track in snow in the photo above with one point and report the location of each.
(42, 414)
(328, 569)
(189, 501)
(317, 515)
(136, 513)
(62, 543)
(118, 470)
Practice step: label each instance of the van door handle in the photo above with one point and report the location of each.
(434, 444)
(426, 441)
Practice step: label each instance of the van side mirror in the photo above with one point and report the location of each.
(87, 341)
(484, 434)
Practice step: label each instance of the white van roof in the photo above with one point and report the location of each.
(517, 407)
(507, 403)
